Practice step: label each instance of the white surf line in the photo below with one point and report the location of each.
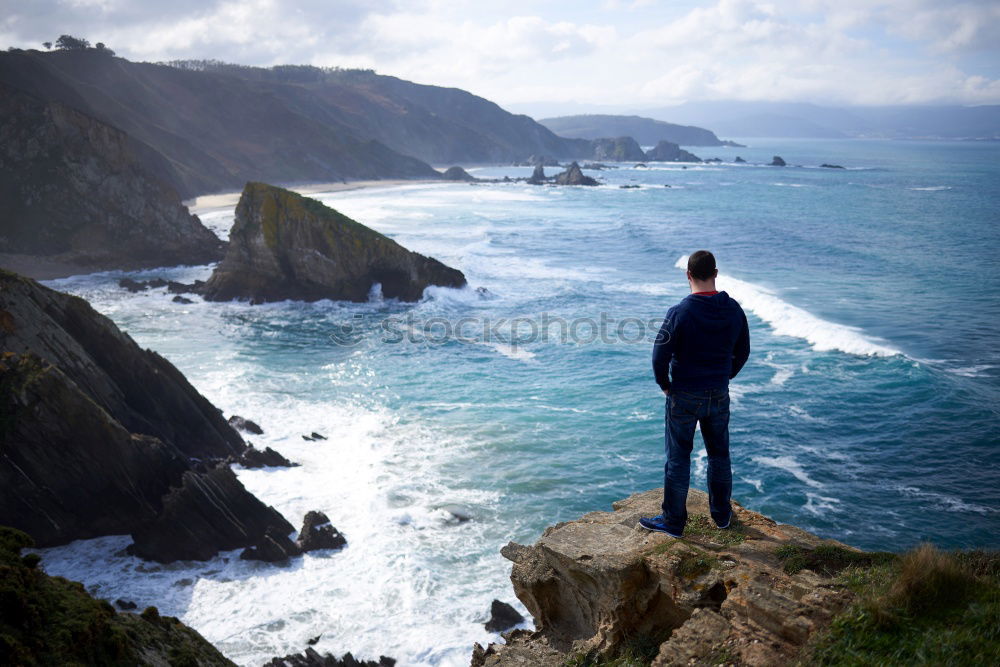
(788, 320)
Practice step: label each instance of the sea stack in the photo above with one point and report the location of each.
(286, 246)
(666, 151)
(574, 176)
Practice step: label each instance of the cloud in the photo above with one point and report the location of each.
(605, 52)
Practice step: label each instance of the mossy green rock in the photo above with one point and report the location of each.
(286, 246)
(53, 621)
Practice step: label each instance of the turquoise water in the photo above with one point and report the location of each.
(868, 411)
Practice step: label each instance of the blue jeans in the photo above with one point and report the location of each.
(710, 408)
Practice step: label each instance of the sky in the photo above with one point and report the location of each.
(604, 53)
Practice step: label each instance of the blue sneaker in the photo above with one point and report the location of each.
(657, 524)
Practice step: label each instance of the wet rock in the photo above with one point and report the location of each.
(312, 641)
(830, 166)
(246, 425)
(640, 166)
(265, 458)
(273, 547)
(574, 176)
(777, 161)
(311, 658)
(181, 299)
(209, 512)
(538, 176)
(125, 605)
(629, 187)
(132, 285)
(317, 436)
(318, 533)
(503, 617)
(739, 160)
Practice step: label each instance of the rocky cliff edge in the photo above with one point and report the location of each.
(600, 586)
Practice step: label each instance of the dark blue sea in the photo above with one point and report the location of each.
(869, 411)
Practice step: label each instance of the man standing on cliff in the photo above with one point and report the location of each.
(702, 345)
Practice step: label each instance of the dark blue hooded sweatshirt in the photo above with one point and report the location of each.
(704, 342)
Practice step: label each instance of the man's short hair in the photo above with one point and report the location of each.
(701, 264)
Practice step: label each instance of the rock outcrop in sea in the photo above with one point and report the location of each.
(286, 246)
(574, 176)
(619, 149)
(665, 151)
(81, 196)
(458, 174)
(598, 583)
(777, 161)
(100, 437)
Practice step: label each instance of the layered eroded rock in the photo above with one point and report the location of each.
(596, 584)
(286, 246)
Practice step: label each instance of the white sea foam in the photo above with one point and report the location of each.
(946, 502)
(819, 505)
(931, 188)
(788, 320)
(788, 464)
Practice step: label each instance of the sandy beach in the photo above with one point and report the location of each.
(231, 198)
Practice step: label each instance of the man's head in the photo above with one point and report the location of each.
(701, 269)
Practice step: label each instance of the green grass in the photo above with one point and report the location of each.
(701, 525)
(828, 559)
(925, 608)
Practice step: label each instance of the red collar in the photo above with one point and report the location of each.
(712, 293)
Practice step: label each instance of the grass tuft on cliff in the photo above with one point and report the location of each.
(927, 607)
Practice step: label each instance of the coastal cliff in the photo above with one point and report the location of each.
(286, 246)
(601, 587)
(80, 196)
(101, 437)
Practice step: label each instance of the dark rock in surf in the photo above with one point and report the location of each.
(126, 605)
(209, 512)
(777, 161)
(265, 458)
(246, 425)
(318, 533)
(739, 160)
(181, 299)
(273, 547)
(503, 617)
(311, 658)
(830, 166)
(286, 246)
(317, 436)
(574, 176)
(538, 176)
(132, 285)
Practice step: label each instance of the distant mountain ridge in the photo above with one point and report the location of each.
(796, 119)
(647, 131)
(217, 126)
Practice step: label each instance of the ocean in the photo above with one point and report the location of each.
(868, 411)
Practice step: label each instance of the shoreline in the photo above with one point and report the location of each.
(222, 199)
